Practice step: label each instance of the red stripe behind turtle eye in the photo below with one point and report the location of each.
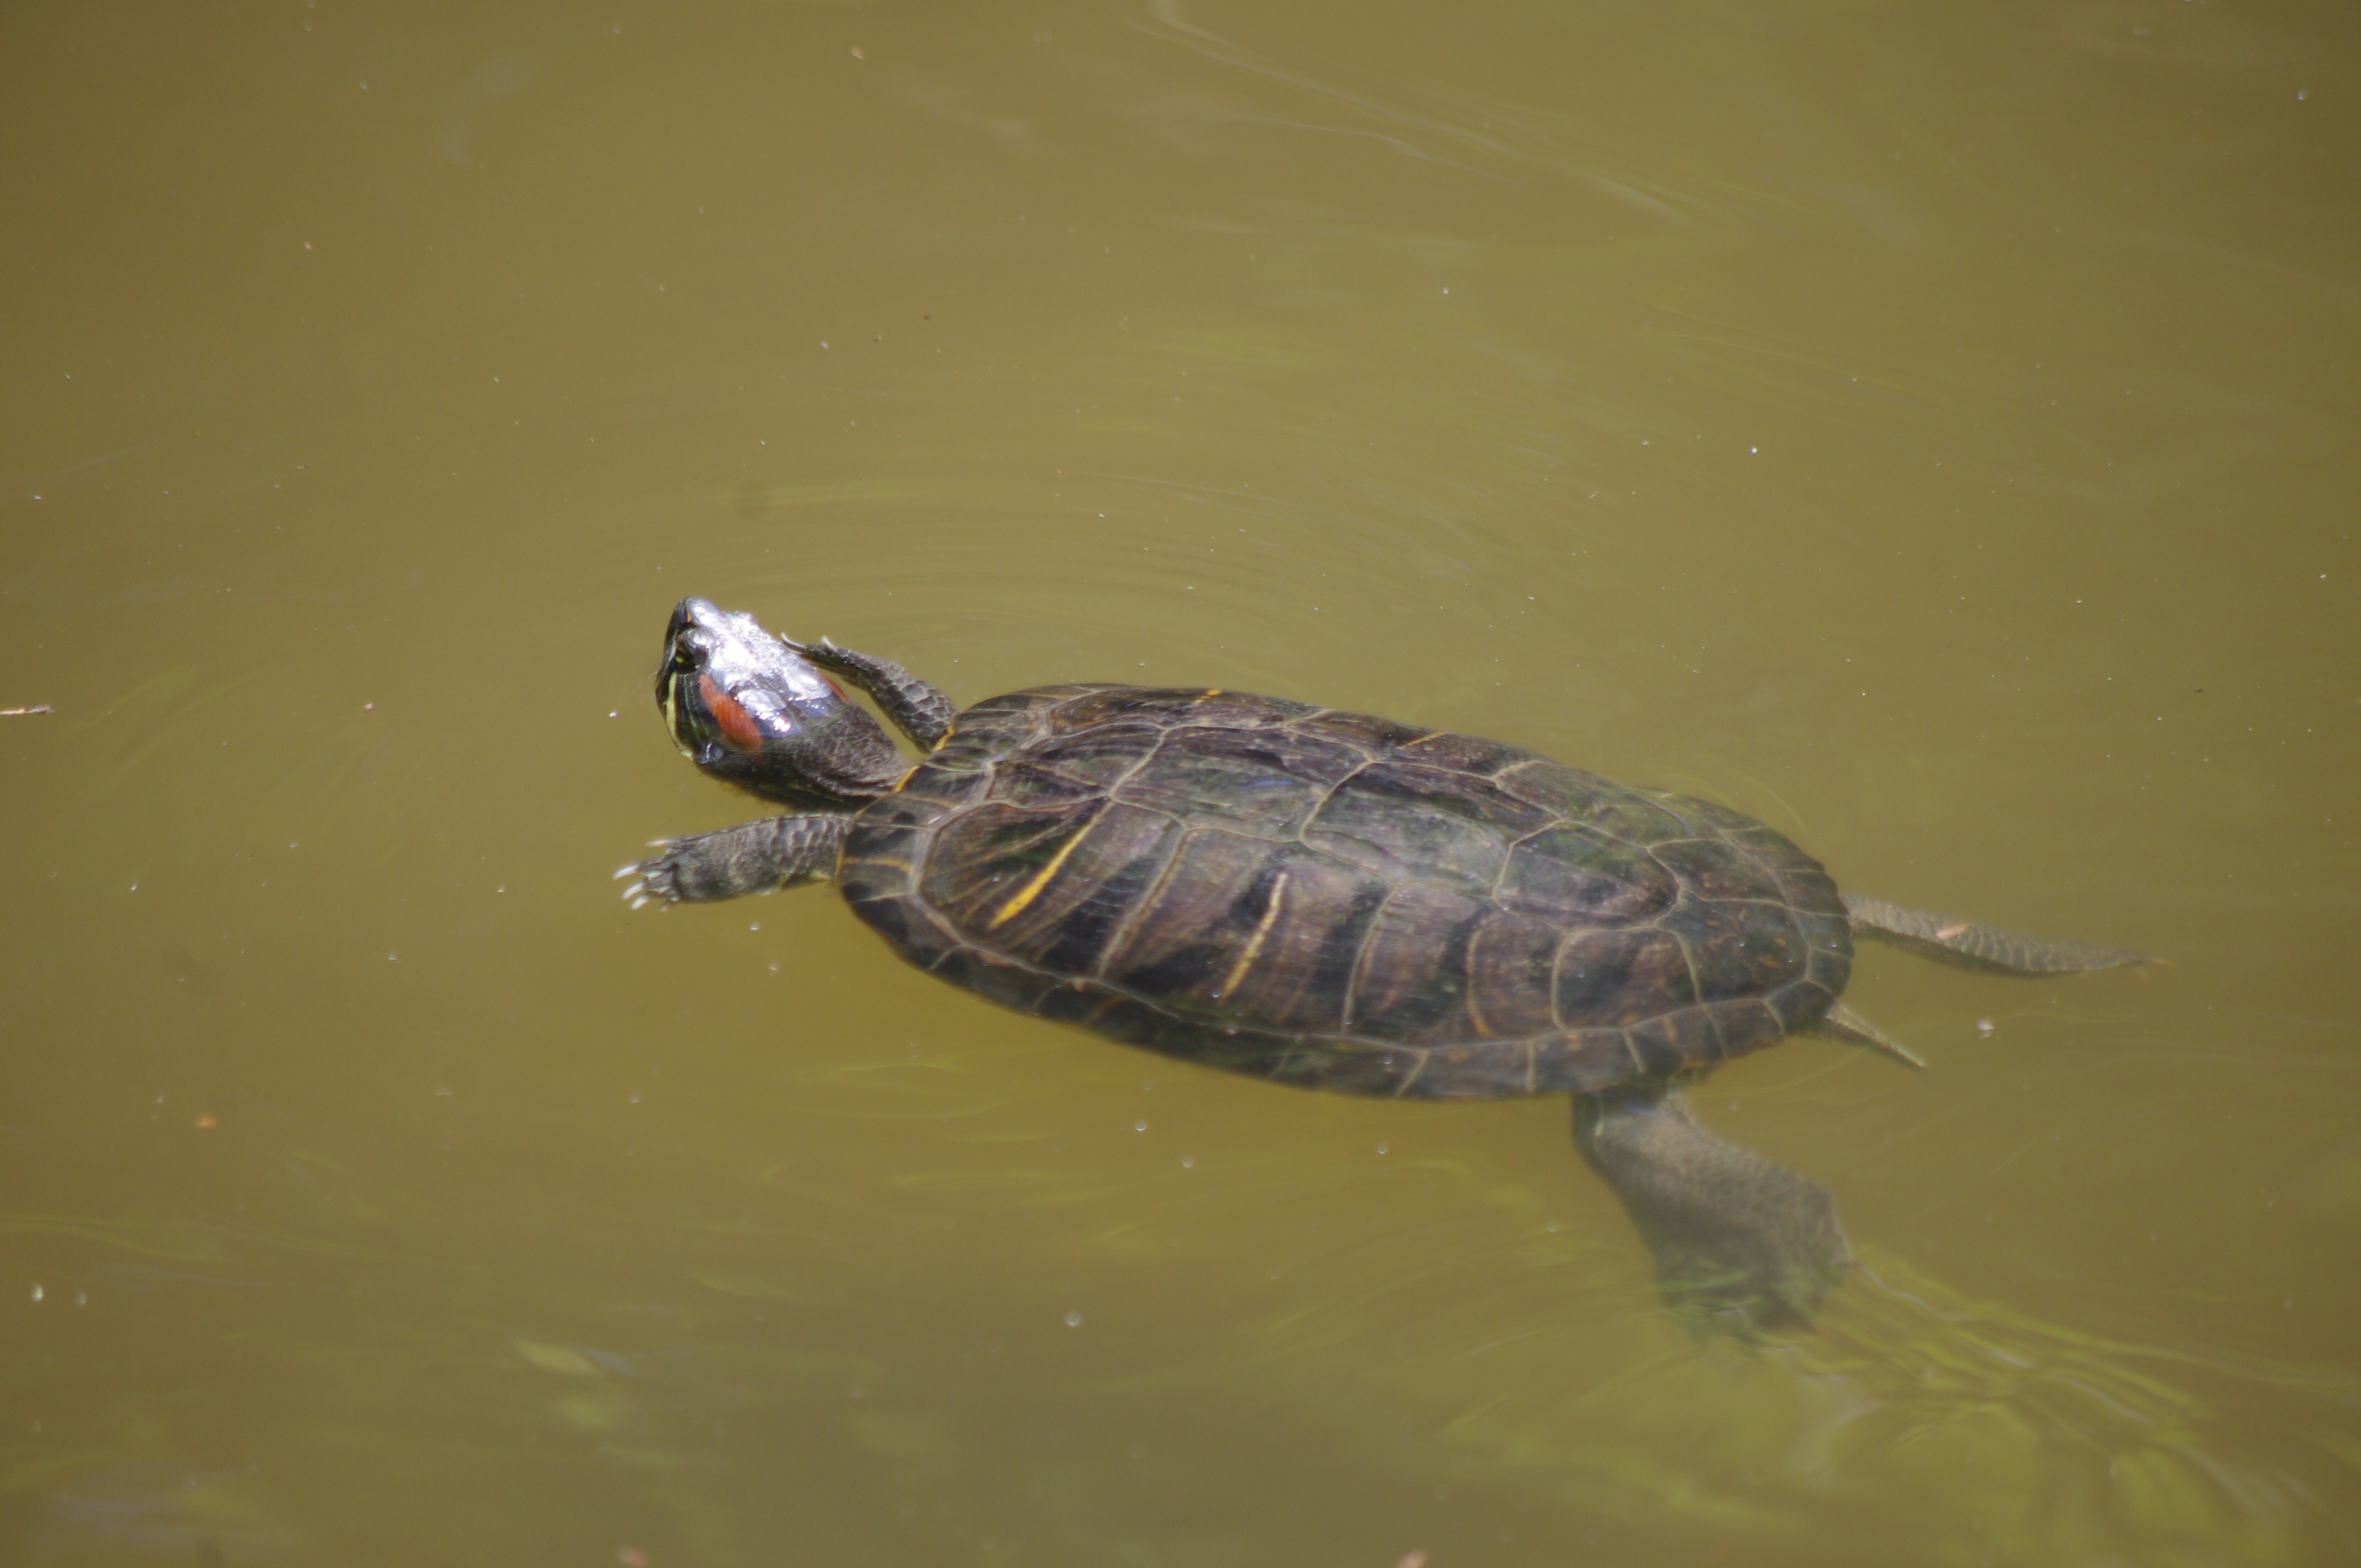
(737, 726)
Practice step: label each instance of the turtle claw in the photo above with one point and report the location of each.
(653, 879)
(659, 878)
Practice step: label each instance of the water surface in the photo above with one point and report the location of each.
(1928, 429)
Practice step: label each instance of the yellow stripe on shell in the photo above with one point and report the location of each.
(1032, 890)
(1253, 943)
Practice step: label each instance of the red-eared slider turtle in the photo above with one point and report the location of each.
(1322, 898)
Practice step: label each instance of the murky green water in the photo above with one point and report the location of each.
(1928, 427)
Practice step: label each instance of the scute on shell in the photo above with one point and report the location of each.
(1340, 901)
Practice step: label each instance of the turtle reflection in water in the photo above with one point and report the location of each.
(1326, 899)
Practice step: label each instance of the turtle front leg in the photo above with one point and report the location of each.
(1740, 1243)
(917, 709)
(1974, 946)
(755, 857)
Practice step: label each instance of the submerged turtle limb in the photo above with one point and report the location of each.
(1841, 1023)
(1740, 1242)
(755, 857)
(917, 709)
(1976, 945)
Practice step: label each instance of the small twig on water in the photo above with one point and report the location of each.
(25, 712)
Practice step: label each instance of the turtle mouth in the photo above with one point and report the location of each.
(676, 678)
(686, 693)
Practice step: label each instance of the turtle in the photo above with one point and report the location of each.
(1325, 899)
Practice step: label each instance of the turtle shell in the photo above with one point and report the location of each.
(1339, 901)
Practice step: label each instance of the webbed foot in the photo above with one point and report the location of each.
(1742, 1244)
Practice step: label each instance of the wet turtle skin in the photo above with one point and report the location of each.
(1338, 901)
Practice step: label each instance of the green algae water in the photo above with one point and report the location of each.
(1929, 430)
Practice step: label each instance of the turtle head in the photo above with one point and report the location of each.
(750, 709)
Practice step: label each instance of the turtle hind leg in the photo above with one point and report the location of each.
(1742, 1244)
(1976, 945)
